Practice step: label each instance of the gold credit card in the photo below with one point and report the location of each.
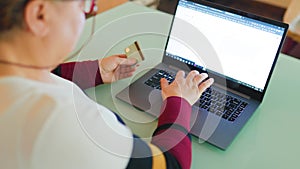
(134, 51)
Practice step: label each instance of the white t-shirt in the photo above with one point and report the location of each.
(56, 126)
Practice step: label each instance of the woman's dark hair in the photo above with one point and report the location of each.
(11, 14)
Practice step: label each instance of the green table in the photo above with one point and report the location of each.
(269, 140)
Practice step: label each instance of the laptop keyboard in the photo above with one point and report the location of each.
(223, 105)
(214, 101)
(154, 81)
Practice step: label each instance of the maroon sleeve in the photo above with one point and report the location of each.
(85, 74)
(172, 133)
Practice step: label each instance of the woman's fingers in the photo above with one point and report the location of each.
(200, 78)
(206, 84)
(190, 77)
(180, 75)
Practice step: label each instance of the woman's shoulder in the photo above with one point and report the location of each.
(25, 93)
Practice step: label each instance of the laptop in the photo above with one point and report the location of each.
(238, 49)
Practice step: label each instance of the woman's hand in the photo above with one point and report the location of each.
(189, 88)
(116, 67)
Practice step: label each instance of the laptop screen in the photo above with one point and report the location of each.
(238, 47)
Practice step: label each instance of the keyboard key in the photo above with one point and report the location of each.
(219, 113)
(235, 116)
(233, 106)
(231, 119)
(225, 116)
(244, 104)
(227, 112)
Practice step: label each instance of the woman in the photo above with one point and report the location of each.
(48, 122)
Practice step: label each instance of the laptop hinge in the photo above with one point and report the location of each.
(232, 91)
(177, 69)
